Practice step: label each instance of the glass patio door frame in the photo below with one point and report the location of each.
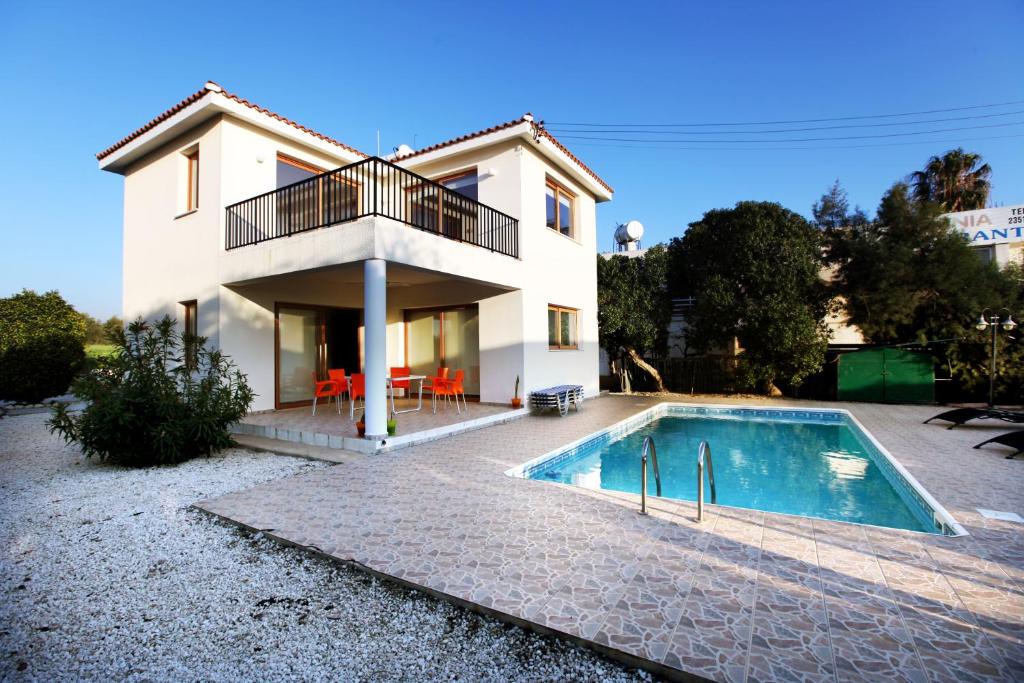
(321, 348)
(441, 350)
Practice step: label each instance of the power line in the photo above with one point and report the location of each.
(770, 123)
(822, 139)
(780, 130)
(670, 146)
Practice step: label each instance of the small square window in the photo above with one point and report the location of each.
(562, 327)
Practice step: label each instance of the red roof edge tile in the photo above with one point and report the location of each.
(195, 97)
(539, 130)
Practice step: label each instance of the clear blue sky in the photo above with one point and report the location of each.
(78, 77)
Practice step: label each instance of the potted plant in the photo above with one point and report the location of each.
(392, 425)
(516, 401)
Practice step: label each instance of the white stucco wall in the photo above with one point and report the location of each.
(170, 258)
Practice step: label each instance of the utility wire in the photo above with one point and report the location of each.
(779, 130)
(820, 139)
(670, 146)
(770, 123)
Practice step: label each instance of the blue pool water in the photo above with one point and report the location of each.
(814, 468)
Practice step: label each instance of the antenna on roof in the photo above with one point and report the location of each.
(378, 142)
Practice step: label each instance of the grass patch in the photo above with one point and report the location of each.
(99, 350)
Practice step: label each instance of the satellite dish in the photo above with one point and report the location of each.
(403, 150)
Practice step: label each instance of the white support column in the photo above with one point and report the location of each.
(375, 346)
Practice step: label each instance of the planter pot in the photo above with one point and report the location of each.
(361, 428)
(392, 427)
(517, 402)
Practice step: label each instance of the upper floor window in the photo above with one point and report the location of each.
(463, 183)
(454, 214)
(192, 183)
(291, 171)
(331, 199)
(561, 209)
(562, 327)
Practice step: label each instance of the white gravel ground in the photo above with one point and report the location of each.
(106, 574)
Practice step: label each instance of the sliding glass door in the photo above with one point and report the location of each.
(310, 340)
(298, 353)
(445, 338)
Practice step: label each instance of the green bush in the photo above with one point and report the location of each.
(41, 346)
(158, 400)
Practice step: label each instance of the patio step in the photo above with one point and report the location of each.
(300, 450)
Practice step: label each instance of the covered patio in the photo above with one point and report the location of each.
(374, 318)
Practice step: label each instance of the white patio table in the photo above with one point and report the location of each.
(406, 378)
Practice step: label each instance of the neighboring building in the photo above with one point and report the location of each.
(996, 234)
(476, 253)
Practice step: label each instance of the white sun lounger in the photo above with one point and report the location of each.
(557, 397)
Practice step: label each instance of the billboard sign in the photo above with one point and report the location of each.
(990, 226)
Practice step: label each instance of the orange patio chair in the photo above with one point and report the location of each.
(324, 389)
(356, 389)
(401, 383)
(339, 377)
(436, 385)
(454, 388)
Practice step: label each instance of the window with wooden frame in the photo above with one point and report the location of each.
(560, 207)
(562, 327)
(453, 213)
(190, 331)
(331, 199)
(192, 181)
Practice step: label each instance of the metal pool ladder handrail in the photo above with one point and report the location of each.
(702, 450)
(648, 445)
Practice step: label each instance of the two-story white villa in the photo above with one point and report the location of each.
(295, 253)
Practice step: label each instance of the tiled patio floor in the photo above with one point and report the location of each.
(334, 430)
(743, 596)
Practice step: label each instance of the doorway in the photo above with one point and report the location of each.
(308, 340)
(445, 337)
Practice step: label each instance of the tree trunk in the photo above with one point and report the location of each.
(646, 367)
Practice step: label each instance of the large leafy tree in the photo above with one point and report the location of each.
(956, 181)
(634, 308)
(754, 270)
(908, 277)
(41, 345)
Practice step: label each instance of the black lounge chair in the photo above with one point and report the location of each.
(959, 416)
(1011, 439)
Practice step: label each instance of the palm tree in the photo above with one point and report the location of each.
(955, 181)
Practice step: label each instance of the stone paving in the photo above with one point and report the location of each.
(330, 429)
(743, 596)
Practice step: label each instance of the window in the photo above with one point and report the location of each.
(987, 253)
(562, 327)
(330, 200)
(190, 331)
(192, 186)
(560, 205)
(454, 213)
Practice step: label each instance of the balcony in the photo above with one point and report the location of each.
(372, 187)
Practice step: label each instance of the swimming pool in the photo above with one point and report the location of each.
(811, 463)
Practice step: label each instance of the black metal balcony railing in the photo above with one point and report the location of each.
(373, 187)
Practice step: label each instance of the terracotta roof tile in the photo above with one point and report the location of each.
(538, 129)
(195, 97)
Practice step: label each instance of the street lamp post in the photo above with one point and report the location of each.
(993, 321)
